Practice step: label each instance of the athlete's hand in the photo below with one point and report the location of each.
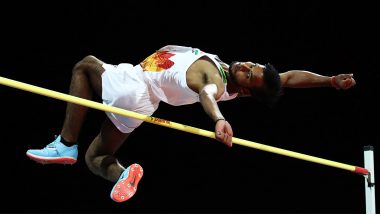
(223, 132)
(344, 81)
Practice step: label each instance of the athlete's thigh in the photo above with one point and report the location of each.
(94, 70)
(108, 140)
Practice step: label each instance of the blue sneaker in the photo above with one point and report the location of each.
(126, 186)
(55, 152)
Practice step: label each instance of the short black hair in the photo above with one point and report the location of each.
(272, 89)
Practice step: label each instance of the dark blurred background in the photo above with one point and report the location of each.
(186, 173)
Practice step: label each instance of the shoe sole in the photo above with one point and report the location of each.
(125, 188)
(45, 160)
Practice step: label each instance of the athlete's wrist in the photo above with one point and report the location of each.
(334, 83)
(218, 119)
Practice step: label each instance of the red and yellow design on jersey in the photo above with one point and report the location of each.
(157, 62)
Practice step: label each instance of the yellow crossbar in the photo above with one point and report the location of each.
(173, 125)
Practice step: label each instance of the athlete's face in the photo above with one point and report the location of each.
(247, 74)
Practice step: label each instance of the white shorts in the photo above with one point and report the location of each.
(123, 87)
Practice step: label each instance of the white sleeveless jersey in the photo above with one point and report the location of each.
(165, 72)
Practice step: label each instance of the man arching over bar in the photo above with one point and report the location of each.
(176, 75)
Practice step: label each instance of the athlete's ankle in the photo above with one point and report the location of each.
(66, 142)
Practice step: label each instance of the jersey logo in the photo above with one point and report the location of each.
(158, 61)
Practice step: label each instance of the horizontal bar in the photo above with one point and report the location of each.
(173, 125)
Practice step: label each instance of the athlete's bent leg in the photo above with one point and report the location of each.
(86, 79)
(101, 161)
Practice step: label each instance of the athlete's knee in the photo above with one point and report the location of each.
(88, 64)
(90, 59)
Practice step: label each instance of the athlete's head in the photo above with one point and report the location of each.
(260, 81)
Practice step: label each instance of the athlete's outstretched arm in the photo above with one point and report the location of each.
(307, 79)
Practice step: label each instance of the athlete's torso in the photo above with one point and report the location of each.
(165, 71)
